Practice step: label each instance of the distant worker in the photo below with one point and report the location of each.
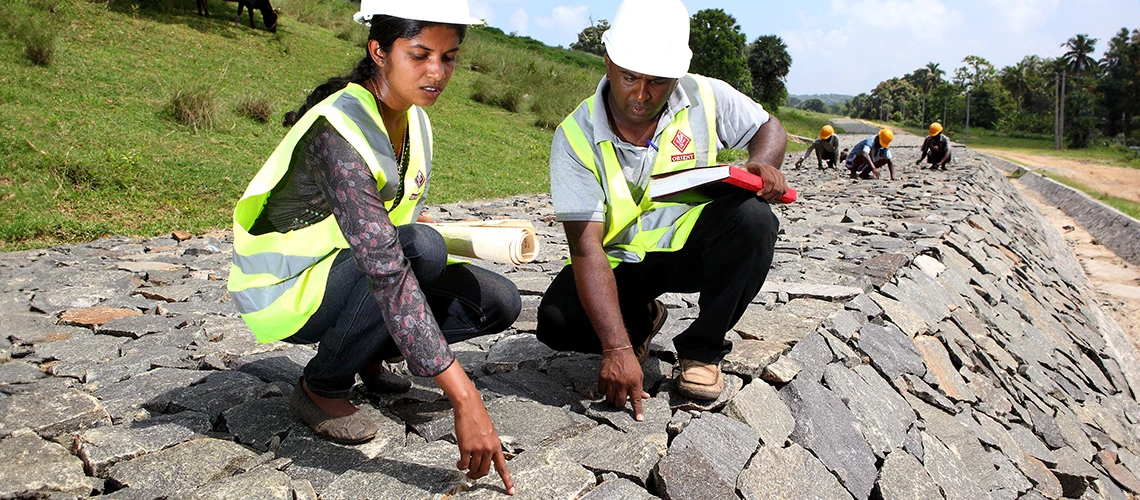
(650, 116)
(826, 148)
(871, 153)
(936, 148)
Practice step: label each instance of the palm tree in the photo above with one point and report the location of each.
(933, 79)
(1078, 56)
(1016, 79)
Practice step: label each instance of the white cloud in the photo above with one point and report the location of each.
(564, 22)
(519, 22)
(481, 10)
(1022, 15)
(870, 41)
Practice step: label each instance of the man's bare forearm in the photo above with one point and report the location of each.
(769, 144)
(597, 287)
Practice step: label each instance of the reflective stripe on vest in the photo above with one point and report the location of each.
(277, 280)
(634, 227)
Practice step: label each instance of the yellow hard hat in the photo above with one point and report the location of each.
(826, 132)
(935, 129)
(885, 137)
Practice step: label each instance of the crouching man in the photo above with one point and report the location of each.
(649, 116)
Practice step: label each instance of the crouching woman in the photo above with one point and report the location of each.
(326, 249)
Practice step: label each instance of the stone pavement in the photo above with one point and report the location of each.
(928, 338)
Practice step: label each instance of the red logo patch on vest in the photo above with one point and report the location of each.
(420, 179)
(681, 141)
(684, 157)
(413, 196)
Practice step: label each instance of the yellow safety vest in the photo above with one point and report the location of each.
(277, 280)
(635, 227)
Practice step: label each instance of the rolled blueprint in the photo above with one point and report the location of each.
(510, 241)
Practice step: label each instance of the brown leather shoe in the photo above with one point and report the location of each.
(700, 380)
(660, 313)
(352, 429)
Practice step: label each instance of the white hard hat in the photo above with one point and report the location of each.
(650, 37)
(436, 11)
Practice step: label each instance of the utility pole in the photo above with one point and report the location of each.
(1056, 111)
(967, 116)
(1064, 77)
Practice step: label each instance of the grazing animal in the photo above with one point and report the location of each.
(268, 13)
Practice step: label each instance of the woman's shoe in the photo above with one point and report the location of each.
(385, 382)
(352, 429)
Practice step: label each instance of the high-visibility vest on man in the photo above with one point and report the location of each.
(634, 227)
(277, 280)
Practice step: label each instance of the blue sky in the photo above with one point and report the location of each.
(849, 46)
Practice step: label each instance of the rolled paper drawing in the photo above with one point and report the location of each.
(508, 241)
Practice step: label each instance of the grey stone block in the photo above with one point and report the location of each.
(759, 407)
(726, 443)
(185, 466)
(51, 413)
(17, 372)
(216, 393)
(687, 474)
(828, 429)
(255, 423)
(788, 473)
(527, 425)
(138, 326)
(517, 351)
(102, 447)
(890, 350)
(903, 478)
(261, 482)
(285, 366)
(34, 468)
(618, 489)
(124, 399)
(883, 415)
(530, 384)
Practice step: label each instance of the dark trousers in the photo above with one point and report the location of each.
(466, 300)
(822, 156)
(726, 259)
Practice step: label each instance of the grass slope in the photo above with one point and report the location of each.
(90, 146)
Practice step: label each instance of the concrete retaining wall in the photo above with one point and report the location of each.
(1112, 228)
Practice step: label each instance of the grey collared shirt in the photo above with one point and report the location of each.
(575, 191)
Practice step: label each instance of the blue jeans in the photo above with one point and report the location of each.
(466, 300)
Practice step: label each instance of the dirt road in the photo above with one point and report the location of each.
(1120, 182)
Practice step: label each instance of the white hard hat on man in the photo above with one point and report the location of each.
(650, 37)
(436, 11)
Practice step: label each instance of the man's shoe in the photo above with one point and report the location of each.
(352, 429)
(700, 380)
(385, 382)
(660, 314)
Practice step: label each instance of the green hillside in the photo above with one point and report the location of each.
(90, 145)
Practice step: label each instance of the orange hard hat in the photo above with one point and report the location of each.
(886, 135)
(826, 132)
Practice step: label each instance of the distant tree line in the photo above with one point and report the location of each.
(1101, 97)
(721, 50)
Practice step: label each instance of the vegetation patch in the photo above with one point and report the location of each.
(196, 107)
(256, 108)
(39, 47)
